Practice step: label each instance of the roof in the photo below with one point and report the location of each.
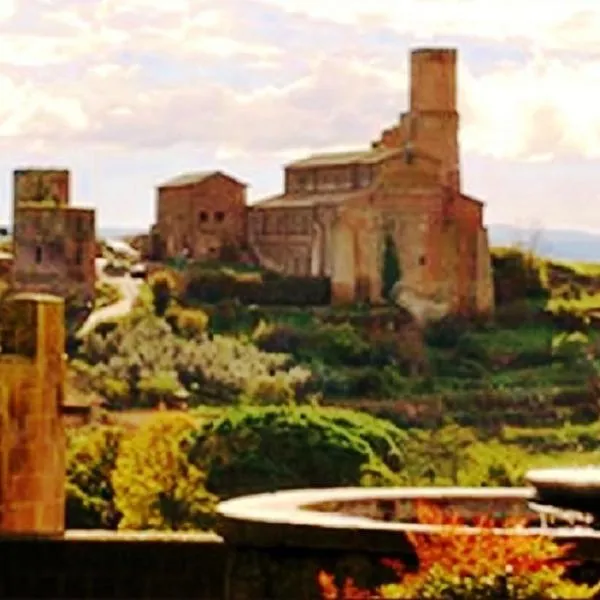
(309, 200)
(194, 177)
(362, 157)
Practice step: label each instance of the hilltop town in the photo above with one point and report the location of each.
(334, 219)
(355, 330)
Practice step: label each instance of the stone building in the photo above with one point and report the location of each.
(32, 442)
(337, 209)
(199, 214)
(54, 243)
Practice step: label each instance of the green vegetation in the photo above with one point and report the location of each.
(280, 396)
(391, 273)
(106, 294)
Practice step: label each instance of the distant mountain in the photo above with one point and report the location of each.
(116, 233)
(552, 243)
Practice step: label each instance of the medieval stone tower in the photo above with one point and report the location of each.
(32, 443)
(54, 243)
(433, 113)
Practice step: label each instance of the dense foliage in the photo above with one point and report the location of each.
(156, 485)
(143, 354)
(473, 567)
(391, 273)
(259, 449)
(91, 457)
(211, 286)
(163, 474)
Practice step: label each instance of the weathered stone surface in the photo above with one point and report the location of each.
(54, 243)
(408, 185)
(32, 444)
(200, 215)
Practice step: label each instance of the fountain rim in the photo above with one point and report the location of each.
(279, 517)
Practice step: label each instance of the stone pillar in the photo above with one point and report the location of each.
(343, 272)
(32, 439)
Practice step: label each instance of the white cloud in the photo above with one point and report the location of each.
(543, 23)
(530, 111)
(544, 108)
(7, 9)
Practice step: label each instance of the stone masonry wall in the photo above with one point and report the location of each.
(32, 444)
(202, 217)
(54, 251)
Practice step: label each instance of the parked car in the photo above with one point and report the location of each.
(139, 271)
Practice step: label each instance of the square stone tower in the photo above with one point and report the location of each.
(32, 439)
(54, 242)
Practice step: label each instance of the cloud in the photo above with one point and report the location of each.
(156, 74)
(546, 107)
(538, 23)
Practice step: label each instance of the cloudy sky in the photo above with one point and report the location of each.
(127, 93)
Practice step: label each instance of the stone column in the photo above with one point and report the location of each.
(32, 440)
(343, 267)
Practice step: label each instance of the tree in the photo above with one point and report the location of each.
(254, 449)
(91, 456)
(156, 486)
(164, 287)
(391, 267)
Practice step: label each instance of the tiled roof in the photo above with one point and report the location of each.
(365, 157)
(309, 200)
(196, 177)
(188, 178)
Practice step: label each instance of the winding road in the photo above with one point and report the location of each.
(129, 288)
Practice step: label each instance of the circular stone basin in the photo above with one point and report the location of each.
(576, 488)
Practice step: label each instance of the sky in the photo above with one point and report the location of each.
(128, 93)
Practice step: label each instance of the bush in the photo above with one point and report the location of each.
(191, 324)
(254, 449)
(91, 457)
(212, 286)
(517, 276)
(164, 287)
(156, 486)
(216, 370)
(478, 567)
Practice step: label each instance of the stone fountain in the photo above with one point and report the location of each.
(566, 495)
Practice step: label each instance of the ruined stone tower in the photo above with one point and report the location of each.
(433, 108)
(32, 443)
(54, 243)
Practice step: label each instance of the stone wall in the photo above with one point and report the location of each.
(55, 251)
(202, 217)
(32, 443)
(50, 187)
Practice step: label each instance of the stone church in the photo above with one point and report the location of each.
(336, 210)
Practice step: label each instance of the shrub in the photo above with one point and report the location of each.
(216, 370)
(479, 566)
(163, 285)
(106, 294)
(391, 272)
(156, 486)
(259, 449)
(212, 286)
(191, 324)
(517, 276)
(91, 457)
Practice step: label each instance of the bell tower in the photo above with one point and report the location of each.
(434, 117)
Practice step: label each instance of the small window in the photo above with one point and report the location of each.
(38, 255)
(219, 217)
(79, 255)
(422, 261)
(203, 217)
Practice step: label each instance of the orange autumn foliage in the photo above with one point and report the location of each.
(475, 555)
